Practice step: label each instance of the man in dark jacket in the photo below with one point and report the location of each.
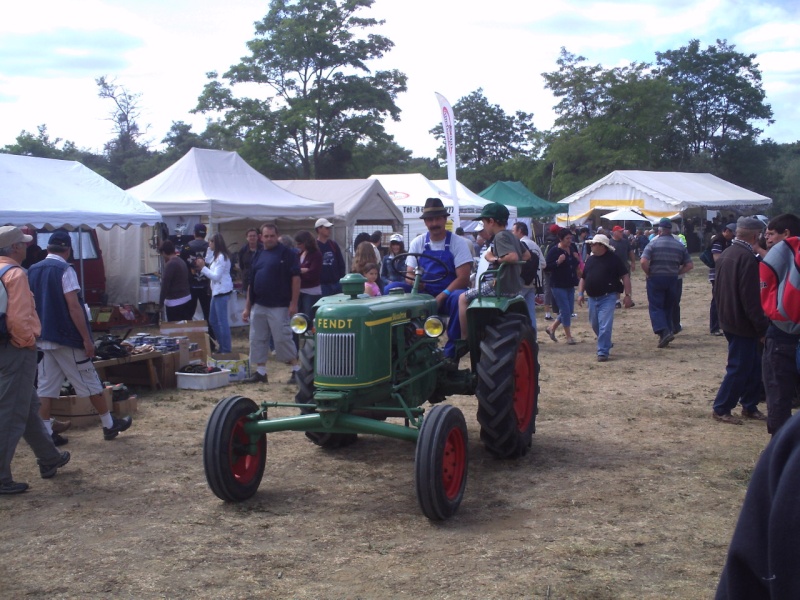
(744, 323)
(762, 558)
(272, 298)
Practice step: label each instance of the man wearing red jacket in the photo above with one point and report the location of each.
(780, 299)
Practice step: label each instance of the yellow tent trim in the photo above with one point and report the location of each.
(606, 204)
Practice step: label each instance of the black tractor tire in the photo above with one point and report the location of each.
(508, 386)
(441, 461)
(305, 395)
(232, 473)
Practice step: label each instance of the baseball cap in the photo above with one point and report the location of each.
(616, 228)
(493, 210)
(665, 223)
(200, 228)
(396, 238)
(12, 235)
(60, 238)
(322, 223)
(731, 227)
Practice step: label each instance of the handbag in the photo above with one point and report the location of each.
(707, 258)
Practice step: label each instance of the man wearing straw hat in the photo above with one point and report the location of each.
(604, 277)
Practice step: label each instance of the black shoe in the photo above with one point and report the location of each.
(120, 425)
(49, 470)
(256, 378)
(15, 487)
(292, 379)
(618, 304)
(58, 439)
(665, 339)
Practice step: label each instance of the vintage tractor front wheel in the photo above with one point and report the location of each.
(305, 395)
(233, 461)
(508, 386)
(440, 467)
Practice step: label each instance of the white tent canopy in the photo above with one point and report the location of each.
(410, 191)
(659, 194)
(356, 202)
(222, 187)
(49, 193)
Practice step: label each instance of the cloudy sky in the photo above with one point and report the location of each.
(52, 51)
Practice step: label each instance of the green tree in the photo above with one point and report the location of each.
(485, 134)
(581, 89)
(310, 59)
(719, 95)
(39, 145)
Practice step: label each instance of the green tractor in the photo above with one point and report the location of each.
(367, 363)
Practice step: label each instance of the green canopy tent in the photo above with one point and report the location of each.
(513, 193)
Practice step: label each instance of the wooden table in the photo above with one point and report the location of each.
(137, 369)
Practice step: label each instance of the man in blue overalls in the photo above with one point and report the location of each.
(454, 252)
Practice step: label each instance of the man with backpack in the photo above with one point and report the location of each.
(19, 403)
(505, 249)
(531, 285)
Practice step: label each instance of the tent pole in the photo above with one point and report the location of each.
(80, 255)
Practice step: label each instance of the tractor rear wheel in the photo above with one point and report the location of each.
(440, 462)
(233, 461)
(508, 386)
(305, 395)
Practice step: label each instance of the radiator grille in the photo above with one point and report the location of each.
(336, 354)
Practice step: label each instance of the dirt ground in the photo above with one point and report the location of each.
(630, 491)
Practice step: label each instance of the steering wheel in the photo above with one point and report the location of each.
(418, 255)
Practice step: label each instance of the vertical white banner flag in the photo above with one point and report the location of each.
(449, 128)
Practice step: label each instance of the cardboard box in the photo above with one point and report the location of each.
(203, 381)
(125, 407)
(237, 364)
(79, 410)
(196, 331)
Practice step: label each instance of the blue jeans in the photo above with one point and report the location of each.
(661, 300)
(306, 304)
(742, 381)
(329, 289)
(565, 298)
(601, 316)
(218, 318)
(530, 301)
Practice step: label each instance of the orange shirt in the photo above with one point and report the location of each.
(21, 318)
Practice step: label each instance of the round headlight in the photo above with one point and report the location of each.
(299, 323)
(433, 327)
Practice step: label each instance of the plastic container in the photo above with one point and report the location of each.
(203, 381)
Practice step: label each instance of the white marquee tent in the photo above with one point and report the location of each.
(222, 187)
(410, 191)
(48, 193)
(659, 194)
(356, 203)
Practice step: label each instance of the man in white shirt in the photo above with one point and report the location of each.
(520, 231)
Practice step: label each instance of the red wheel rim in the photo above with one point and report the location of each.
(523, 385)
(453, 463)
(244, 466)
